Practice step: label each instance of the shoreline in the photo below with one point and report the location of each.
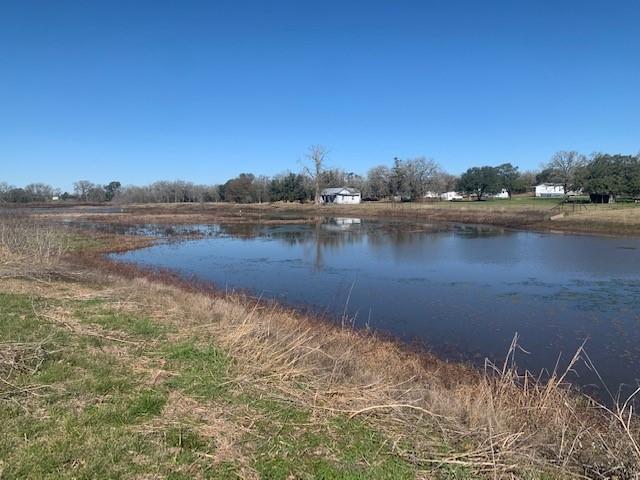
(416, 346)
(433, 415)
(201, 286)
(602, 220)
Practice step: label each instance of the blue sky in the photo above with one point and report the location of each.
(144, 90)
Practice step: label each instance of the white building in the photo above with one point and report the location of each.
(450, 196)
(431, 195)
(550, 190)
(341, 195)
(502, 194)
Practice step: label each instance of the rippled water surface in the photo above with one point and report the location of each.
(464, 291)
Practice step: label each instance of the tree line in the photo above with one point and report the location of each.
(412, 179)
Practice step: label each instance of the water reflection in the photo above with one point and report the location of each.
(463, 290)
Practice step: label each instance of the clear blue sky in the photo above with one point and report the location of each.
(202, 90)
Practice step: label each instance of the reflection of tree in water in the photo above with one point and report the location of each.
(478, 231)
(335, 233)
(242, 230)
(149, 230)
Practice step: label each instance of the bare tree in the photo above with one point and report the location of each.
(378, 182)
(421, 173)
(96, 194)
(82, 187)
(317, 155)
(411, 179)
(39, 192)
(444, 182)
(5, 188)
(261, 188)
(563, 166)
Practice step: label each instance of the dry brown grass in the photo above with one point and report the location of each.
(603, 219)
(17, 359)
(501, 422)
(27, 245)
(210, 421)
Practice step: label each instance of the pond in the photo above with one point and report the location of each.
(461, 290)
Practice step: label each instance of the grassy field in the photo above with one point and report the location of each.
(110, 372)
(93, 390)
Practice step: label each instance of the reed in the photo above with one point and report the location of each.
(27, 242)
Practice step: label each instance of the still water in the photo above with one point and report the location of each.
(463, 291)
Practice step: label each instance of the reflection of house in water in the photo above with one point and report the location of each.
(343, 223)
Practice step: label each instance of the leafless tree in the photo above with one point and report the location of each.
(261, 188)
(443, 182)
(564, 165)
(40, 191)
(420, 174)
(317, 155)
(378, 181)
(168, 192)
(96, 194)
(4, 190)
(411, 179)
(82, 187)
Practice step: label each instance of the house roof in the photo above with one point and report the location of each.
(546, 184)
(340, 191)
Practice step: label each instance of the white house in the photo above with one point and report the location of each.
(502, 194)
(341, 195)
(431, 195)
(450, 196)
(550, 190)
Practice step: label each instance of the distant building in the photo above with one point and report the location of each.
(551, 190)
(55, 198)
(341, 195)
(450, 196)
(502, 194)
(431, 195)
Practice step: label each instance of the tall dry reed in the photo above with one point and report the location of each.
(27, 244)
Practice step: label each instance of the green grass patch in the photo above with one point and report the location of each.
(201, 369)
(82, 420)
(77, 242)
(132, 324)
(291, 444)
(98, 312)
(148, 403)
(18, 321)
